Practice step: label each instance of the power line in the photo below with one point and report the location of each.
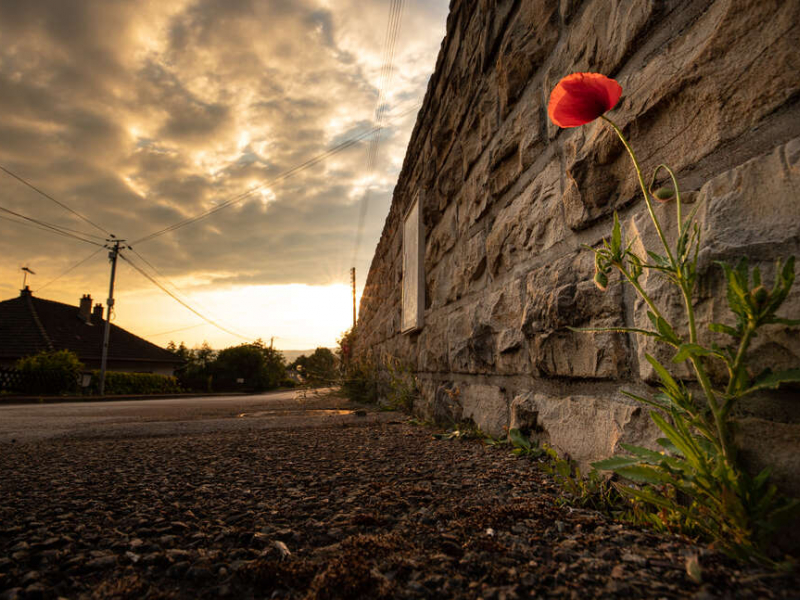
(283, 176)
(49, 197)
(387, 69)
(72, 268)
(178, 300)
(174, 330)
(52, 228)
(171, 284)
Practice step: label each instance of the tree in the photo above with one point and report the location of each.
(319, 368)
(196, 373)
(181, 351)
(259, 366)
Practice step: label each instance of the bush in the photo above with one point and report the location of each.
(135, 383)
(50, 372)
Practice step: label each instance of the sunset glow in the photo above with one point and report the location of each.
(147, 115)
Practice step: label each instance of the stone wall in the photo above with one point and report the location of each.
(710, 88)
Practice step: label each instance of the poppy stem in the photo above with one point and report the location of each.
(643, 186)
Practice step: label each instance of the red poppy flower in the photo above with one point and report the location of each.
(582, 97)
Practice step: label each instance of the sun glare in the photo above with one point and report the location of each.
(299, 316)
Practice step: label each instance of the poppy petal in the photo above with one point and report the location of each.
(580, 98)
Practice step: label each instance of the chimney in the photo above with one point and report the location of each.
(85, 309)
(26, 291)
(97, 313)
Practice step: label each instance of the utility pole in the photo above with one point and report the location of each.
(112, 256)
(353, 282)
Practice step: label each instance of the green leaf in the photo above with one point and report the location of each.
(665, 329)
(616, 235)
(518, 439)
(684, 446)
(643, 474)
(771, 381)
(663, 374)
(614, 330)
(686, 351)
(615, 462)
(669, 446)
(782, 321)
(644, 400)
(643, 453)
(721, 328)
(660, 261)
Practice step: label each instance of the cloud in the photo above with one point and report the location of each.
(140, 115)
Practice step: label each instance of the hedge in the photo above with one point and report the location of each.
(135, 383)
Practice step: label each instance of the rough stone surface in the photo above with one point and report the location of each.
(586, 428)
(710, 88)
(487, 406)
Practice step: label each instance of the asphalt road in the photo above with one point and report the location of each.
(176, 416)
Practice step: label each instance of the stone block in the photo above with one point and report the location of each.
(730, 69)
(532, 223)
(530, 38)
(469, 265)
(487, 406)
(441, 238)
(738, 217)
(598, 39)
(585, 428)
(562, 294)
(432, 346)
(446, 405)
(767, 444)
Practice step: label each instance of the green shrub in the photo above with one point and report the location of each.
(50, 372)
(135, 383)
(361, 381)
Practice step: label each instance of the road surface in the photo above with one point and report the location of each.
(175, 416)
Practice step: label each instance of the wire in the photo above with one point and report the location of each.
(283, 176)
(178, 300)
(72, 268)
(52, 228)
(387, 69)
(175, 330)
(174, 287)
(49, 197)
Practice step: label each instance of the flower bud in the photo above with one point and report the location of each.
(664, 194)
(760, 294)
(600, 280)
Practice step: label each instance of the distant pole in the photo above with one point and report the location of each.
(112, 256)
(353, 282)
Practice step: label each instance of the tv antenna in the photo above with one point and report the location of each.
(26, 270)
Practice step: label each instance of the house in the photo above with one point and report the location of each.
(29, 325)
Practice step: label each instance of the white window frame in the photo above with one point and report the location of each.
(413, 293)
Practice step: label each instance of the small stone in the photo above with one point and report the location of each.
(31, 577)
(102, 562)
(634, 558)
(35, 591)
(12, 594)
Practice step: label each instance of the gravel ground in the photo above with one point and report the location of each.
(370, 510)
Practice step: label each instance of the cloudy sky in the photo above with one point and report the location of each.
(140, 114)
